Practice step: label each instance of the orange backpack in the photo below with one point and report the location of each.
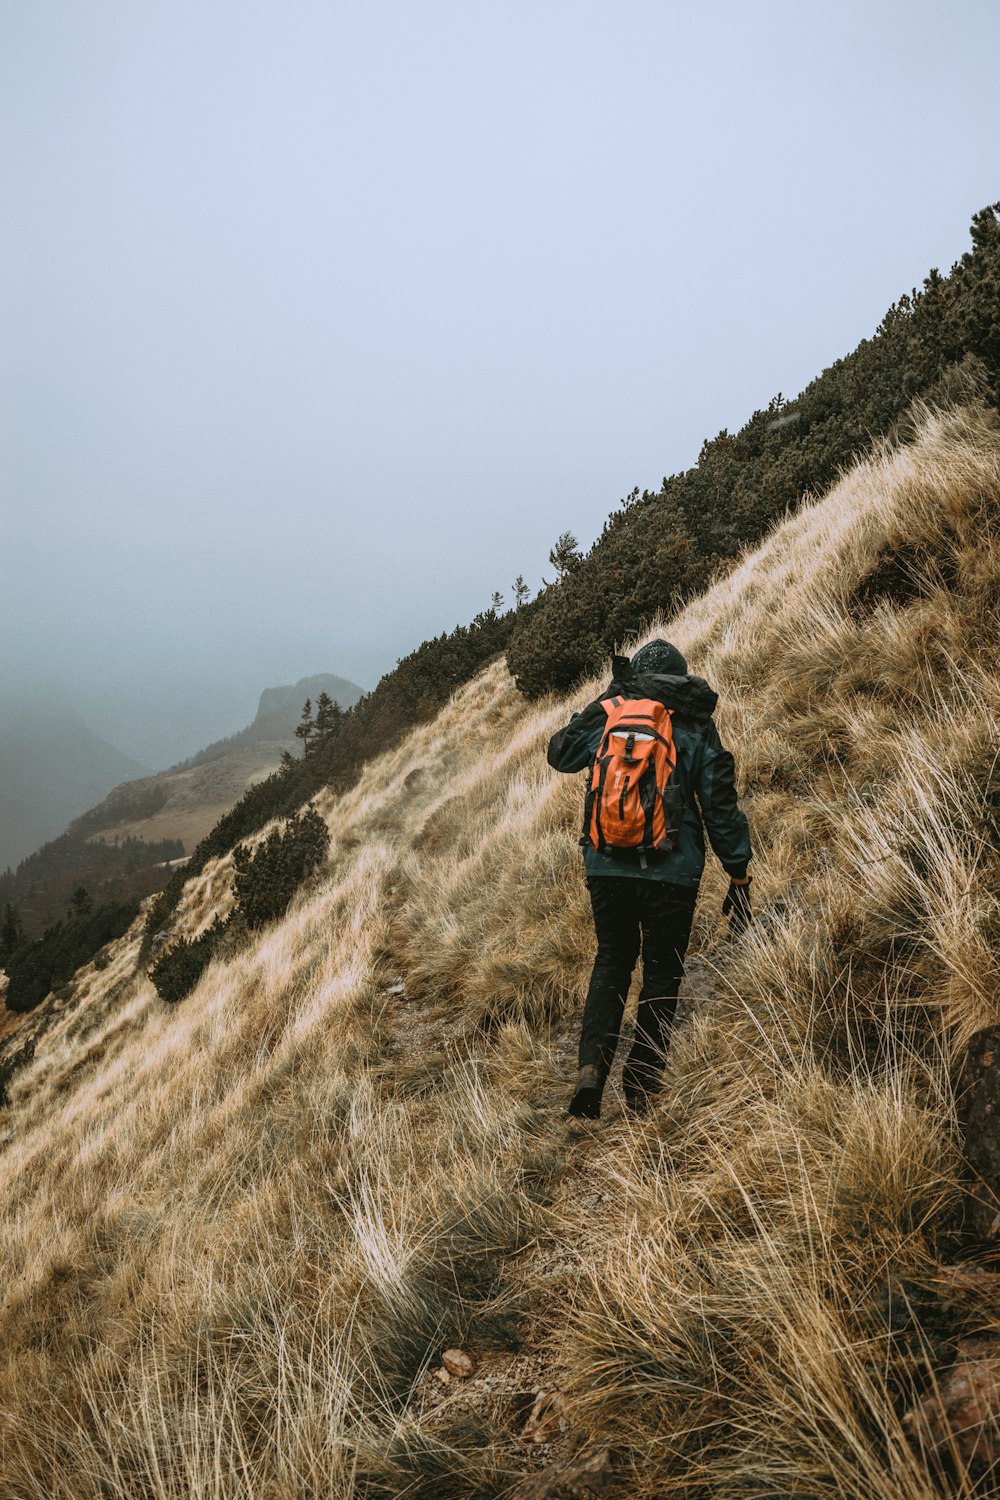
(633, 802)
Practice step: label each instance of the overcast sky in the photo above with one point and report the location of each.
(320, 320)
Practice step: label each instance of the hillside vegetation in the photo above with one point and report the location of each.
(662, 547)
(125, 869)
(238, 1233)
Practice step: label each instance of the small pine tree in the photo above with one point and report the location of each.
(267, 877)
(522, 593)
(306, 727)
(496, 602)
(328, 716)
(80, 902)
(177, 971)
(565, 555)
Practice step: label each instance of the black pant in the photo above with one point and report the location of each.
(625, 908)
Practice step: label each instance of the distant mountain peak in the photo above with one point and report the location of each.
(285, 701)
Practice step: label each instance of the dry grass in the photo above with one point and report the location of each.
(235, 1233)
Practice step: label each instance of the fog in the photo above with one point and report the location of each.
(321, 321)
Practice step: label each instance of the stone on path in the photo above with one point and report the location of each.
(547, 1418)
(459, 1362)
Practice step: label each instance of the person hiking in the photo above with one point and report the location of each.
(659, 778)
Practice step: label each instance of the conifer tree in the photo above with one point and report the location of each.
(80, 902)
(306, 727)
(522, 593)
(328, 716)
(565, 555)
(11, 932)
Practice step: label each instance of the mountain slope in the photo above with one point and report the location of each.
(52, 767)
(121, 848)
(278, 712)
(240, 1231)
(187, 800)
(662, 548)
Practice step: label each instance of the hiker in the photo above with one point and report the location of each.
(659, 776)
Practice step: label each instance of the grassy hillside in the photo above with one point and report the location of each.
(238, 1233)
(663, 547)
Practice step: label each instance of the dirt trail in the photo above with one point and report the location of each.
(519, 1393)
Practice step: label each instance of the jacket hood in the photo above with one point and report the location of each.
(687, 695)
(659, 656)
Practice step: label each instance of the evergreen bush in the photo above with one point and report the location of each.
(51, 960)
(177, 971)
(268, 876)
(266, 880)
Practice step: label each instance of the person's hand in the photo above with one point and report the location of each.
(737, 906)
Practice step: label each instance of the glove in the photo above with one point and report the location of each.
(737, 907)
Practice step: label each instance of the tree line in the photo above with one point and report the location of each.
(659, 548)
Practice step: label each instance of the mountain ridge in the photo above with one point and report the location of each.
(277, 709)
(187, 800)
(52, 766)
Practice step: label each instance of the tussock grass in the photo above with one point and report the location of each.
(236, 1233)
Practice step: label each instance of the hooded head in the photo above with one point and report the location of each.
(660, 657)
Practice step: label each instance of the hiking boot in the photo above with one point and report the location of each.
(586, 1102)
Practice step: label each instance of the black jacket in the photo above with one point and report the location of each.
(705, 776)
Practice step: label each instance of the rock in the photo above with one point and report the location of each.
(965, 1408)
(547, 1418)
(459, 1362)
(978, 1093)
(581, 1478)
(442, 1376)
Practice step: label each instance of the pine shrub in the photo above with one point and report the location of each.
(38, 967)
(268, 876)
(266, 880)
(177, 971)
